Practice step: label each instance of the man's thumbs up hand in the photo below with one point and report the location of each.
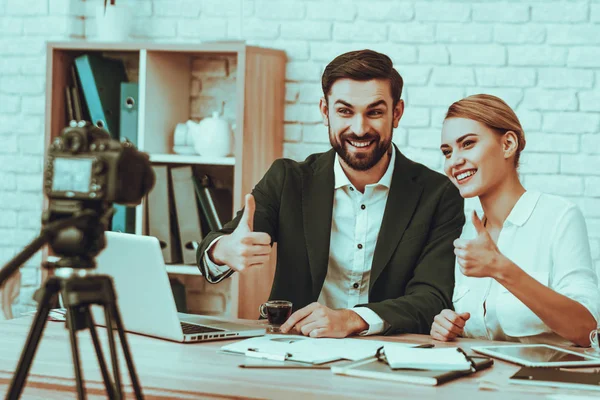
(243, 248)
(247, 221)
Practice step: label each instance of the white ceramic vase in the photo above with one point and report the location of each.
(113, 23)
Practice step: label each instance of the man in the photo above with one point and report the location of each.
(364, 234)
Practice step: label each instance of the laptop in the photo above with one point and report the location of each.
(145, 299)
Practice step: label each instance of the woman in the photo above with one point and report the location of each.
(524, 271)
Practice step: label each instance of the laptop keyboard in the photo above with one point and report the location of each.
(191, 328)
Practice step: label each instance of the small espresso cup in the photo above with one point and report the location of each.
(595, 342)
(276, 312)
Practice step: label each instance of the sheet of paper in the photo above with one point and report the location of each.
(355, 349)
(311, 350)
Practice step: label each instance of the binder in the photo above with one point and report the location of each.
(101, 85)
(69, 104)
(188, 218)
(124, 217)
(78, 114)
(216, 203)
(128, 108)
(160, 220)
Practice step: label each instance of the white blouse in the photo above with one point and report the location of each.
(546, 237)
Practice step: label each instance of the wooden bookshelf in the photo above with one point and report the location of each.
(165, 74)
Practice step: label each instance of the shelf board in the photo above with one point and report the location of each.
(191, 159)
(183, 269)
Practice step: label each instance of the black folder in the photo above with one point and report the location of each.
(376, 369)
(215, 203)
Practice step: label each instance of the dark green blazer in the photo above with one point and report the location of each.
(412, 275)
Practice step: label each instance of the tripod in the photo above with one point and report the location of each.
(79, 290)
(78, 294)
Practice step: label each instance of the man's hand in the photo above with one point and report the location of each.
(316, 320)
(447, 325)
(243, 248)
(479, 257)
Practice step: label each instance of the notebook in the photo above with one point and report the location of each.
(434, 359)
(375, 368)
(557, 377)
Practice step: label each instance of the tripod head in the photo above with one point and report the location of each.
(79, 244)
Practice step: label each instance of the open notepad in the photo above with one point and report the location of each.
(431, 359)
(308, 350)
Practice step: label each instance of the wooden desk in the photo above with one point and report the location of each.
(198, 370)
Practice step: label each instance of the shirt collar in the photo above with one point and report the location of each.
(341, 180)
(523, 208)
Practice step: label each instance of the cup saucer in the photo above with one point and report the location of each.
(592, 352)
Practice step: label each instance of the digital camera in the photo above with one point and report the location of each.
(85, 165)
(85, 173)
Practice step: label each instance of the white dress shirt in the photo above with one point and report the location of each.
(356, 220)
(546, 237)
(355, 224)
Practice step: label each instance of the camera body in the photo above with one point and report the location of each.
(85, 164)
(78, 170)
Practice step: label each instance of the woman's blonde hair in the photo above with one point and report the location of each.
(493, 112)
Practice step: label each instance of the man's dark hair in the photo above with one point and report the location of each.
(362, 65)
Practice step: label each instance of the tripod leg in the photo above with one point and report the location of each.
(108, 383)
(72, 325)
(133, 375)
(113, 351)
(35, 333)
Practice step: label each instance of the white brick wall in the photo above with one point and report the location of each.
(542, 57)
(25, 26)
(519, 34)
(565, 11)
(501, 12)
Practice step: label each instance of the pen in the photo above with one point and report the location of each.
(252, 352)
(425, 346)
(285, 366)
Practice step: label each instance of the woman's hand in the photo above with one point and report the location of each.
(479, 257)
(447, 325)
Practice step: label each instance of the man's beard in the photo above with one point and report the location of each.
(360, 162)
